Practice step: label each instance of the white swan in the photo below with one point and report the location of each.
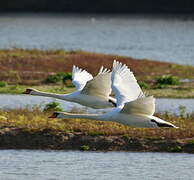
(134, 109)
(91, 92)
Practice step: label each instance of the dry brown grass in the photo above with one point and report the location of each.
(23, 66)
(36, 121)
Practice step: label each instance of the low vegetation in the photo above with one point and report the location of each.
(166, 80)
(60, 77)
(52, 106)
(3, 84)
(21, 68)
(54, 88)
(32, 129)
(34, 66)
(37, 121)
(44, 69)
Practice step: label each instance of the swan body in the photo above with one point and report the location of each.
(140, 119)
(133, 109)
(91, 92)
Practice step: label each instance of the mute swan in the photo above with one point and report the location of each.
(91, 92)
(133, 108)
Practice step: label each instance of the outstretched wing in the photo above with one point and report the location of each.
(145, 105)
(124, 84)
(100, 85)
(80, 77)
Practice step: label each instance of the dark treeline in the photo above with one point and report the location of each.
(95, 6)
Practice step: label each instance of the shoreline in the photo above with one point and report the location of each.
(30, 68)
(15, 138)
(32, 129)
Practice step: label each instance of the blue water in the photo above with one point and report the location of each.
(159, 37)
(75, 165)
(22, 101)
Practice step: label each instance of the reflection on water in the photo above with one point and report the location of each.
(21, 101)
(73, 165)
(167, 38)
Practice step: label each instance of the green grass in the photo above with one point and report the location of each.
(160, 93)
(19, 89)
(171, 93)
(85, 148)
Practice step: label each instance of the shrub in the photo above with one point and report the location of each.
(84, 148)
(53, 78)
(3, 84)
(167, 80)
(59, 77)
(67, 76)
(67, 79)
(53, 106)
(143, 85)
(176, 149)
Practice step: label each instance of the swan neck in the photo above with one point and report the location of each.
(53, 95)
(83, 116)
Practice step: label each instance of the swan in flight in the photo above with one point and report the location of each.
(90, 91)
(133, 108)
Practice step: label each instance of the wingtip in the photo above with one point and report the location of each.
(103, 70)
(115, 62)
(119, 67)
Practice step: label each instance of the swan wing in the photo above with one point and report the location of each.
(80, 77)
(145, 105)
(100, 85)
(124, 84)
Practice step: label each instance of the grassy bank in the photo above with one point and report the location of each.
(33, 130)
(21, 68)
(169, 92)
(19, 89)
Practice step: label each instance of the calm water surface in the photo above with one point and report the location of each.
(21, 101)
(75, 165)
(166, 38)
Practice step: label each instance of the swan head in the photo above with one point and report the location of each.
(29, 91)
(56, 115)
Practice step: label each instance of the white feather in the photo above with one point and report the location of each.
(91, 92)
(100, 85)
(144, 106)
(80, 77)
(124, 84)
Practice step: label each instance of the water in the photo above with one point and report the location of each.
(73, 165)
(22, 101)
(159, 37)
